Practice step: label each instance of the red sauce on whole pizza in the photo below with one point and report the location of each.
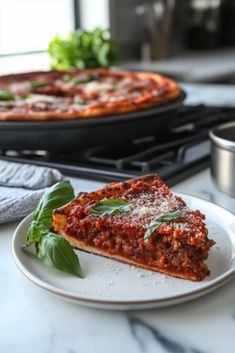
(74, 94)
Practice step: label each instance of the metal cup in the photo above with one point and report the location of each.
(223, 157)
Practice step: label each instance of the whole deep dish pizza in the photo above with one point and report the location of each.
(140, 222)
(53, 95)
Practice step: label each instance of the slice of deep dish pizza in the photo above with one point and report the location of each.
(139, 222)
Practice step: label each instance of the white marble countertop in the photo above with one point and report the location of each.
(32, 320)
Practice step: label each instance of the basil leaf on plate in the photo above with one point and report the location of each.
(6, 96)
(52, 249)
(56, 196)
(35, 232)
(55, 251)
(109, 206)
(162, 219)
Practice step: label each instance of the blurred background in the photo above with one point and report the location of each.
(192, 41)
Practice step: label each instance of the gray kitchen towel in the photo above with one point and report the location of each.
(21, 187)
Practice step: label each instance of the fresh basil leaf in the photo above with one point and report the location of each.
(38, 84)
(26, 96)
(56, 196)
(158, 221)
(35, 232)
(55, 251)
(170, 216)
(6, 96)
(79, 81)
(153, 226)
(108, 207)
(83, 49)
(103, 54)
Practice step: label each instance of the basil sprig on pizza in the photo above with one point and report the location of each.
(109, 207)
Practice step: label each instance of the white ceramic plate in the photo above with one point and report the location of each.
(113, 285)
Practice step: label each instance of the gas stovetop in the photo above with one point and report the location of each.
(175, 155)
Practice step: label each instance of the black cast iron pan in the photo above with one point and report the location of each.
(72, 135)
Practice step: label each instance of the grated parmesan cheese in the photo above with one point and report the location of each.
(34, 98)
(95, 86)
(145, 207)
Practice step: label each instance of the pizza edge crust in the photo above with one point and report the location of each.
(105, 191)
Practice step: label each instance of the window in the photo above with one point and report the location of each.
(28, 25)
(94, 13)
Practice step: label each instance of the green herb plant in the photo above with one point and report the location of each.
(52, 249)
(83, 49)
